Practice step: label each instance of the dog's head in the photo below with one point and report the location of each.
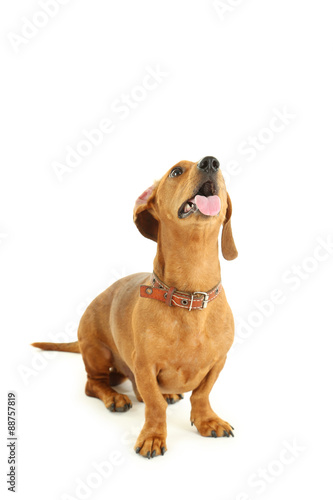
(188, 195)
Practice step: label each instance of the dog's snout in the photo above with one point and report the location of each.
(208, 164)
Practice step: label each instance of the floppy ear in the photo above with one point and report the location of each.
(143, 217)
(229, 250)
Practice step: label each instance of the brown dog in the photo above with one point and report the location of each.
(168, 332)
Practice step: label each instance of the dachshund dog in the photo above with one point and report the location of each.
(168, 331)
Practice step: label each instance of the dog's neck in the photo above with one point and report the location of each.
(188, 260)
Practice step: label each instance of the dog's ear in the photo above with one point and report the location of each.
(229, 250)
(143, 216)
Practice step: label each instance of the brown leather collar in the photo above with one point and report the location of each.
(172, 297)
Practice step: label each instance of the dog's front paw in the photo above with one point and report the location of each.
(150, 445)
(213, 427)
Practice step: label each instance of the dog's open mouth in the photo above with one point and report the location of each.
(205, 201)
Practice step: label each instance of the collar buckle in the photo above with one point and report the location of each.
(204, 301)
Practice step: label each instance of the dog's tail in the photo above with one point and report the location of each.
(52, 346)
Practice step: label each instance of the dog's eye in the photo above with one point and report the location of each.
(175, 172)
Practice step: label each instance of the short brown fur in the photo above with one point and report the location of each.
(164, 351)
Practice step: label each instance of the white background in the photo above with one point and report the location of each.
(64, 241)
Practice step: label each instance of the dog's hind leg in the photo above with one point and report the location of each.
(98, 361)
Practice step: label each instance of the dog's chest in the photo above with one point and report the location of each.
(187, 354)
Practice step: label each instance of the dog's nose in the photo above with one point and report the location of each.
(208, 164)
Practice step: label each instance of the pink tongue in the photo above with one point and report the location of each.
(210, 205)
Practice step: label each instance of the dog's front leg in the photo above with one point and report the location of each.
(152, 438)
(202, 415)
